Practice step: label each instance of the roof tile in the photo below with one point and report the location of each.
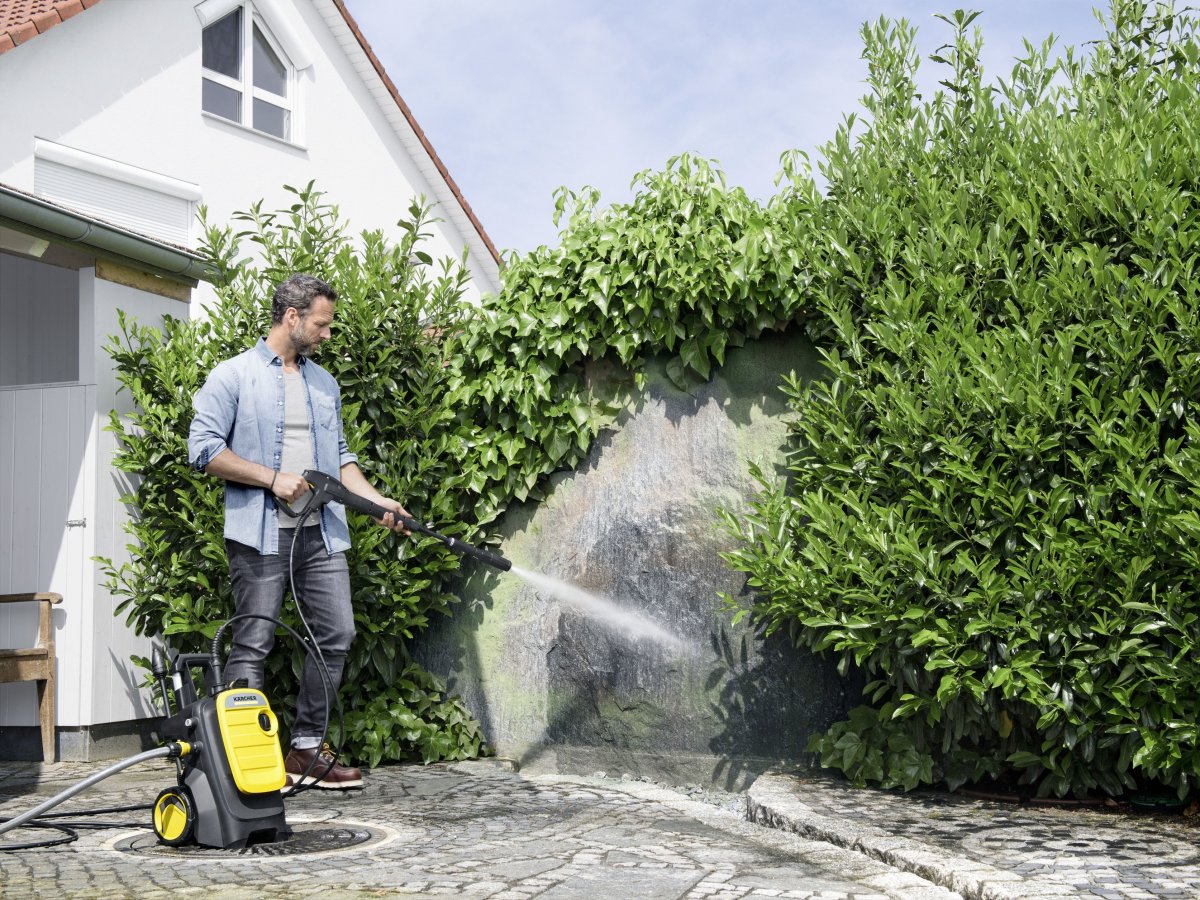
(22, 32)
(23, 20)
(45, 20)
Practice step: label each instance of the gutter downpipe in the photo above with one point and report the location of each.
(36, 216)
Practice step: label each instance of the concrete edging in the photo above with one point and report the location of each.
(775, 800)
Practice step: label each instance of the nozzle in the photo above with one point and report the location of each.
(491, 559)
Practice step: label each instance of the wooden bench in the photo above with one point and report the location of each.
(36, 664)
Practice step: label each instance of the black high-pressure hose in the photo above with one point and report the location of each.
(310, 645)
(324, 489)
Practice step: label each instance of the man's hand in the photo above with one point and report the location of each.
(390, 520)
(352, 478)
(289, 487)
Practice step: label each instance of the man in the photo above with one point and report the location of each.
(262, 418)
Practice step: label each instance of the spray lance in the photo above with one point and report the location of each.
(326, 488)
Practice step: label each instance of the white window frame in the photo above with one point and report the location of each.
(245, 86)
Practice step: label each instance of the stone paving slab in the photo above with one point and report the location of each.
(460, 830)
(988, 850)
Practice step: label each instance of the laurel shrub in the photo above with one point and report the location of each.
(992, 507)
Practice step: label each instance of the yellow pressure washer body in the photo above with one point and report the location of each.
(228, 791)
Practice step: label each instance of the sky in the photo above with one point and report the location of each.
(519, 97)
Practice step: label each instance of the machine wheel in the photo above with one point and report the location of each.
(175, 816)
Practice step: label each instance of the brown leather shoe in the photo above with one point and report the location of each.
(326, 772)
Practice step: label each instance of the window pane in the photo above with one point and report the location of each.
(270, 118)
(222, 101)
(39, 305)
(222, 45)
(269, 72)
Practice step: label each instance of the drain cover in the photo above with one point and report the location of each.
(306, 839)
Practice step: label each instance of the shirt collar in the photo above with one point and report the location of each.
(267, 355)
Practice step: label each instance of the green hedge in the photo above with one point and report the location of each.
(993, 500)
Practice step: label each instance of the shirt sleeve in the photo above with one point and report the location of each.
(215, 407)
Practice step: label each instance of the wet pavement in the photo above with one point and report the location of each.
(481, 830)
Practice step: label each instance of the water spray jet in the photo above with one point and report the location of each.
(600, 608)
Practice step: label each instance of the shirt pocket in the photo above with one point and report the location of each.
(325, 412)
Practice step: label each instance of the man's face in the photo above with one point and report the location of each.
(311, 330)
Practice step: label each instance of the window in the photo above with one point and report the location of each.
(246, 76)
(39, 304)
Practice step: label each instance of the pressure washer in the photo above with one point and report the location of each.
(225, 739)
(228, 793)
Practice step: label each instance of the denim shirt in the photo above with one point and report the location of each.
(240, 408)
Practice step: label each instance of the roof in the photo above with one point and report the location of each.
(60, 224)
(23, 20)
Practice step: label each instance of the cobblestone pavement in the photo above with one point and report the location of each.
(471, 830)
(989, 849)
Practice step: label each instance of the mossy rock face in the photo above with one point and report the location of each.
(636, 525)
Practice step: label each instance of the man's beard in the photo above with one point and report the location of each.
(302, 345)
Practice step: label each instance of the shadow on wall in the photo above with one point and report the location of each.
(449, 650)
(765, 696)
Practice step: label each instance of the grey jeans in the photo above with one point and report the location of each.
(323, 583)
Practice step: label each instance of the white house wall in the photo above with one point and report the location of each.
(121, 84)
(123, 81)
(115, 683)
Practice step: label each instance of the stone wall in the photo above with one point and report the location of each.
(556, 688)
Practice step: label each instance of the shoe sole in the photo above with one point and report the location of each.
(325, 785)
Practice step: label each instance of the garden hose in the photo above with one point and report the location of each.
(173, 750)
(38, 816)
